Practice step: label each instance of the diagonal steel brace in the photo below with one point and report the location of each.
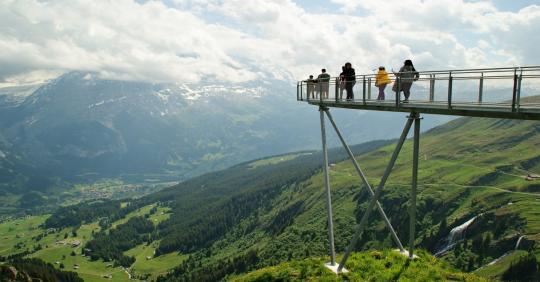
(364, 180)
(361, 226)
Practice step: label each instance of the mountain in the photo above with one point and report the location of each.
(80, 128)
(478, 206)
(17, 175)
(78, 124)
(13, 95)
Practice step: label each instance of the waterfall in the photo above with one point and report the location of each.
(505, 254)
(455, 235)
(519, 241)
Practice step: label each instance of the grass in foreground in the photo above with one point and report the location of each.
(385, 265)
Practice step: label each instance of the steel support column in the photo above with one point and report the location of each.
(514, 91)
(518, 99)
(364, 180)
(412, 203)
(361, 226)
(327, 188)
(481, 88)
(369, 88)
(431, 87)
(364, 89)
(450, 84)
(337, 92)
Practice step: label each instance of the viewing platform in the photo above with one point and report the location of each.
(491, 92)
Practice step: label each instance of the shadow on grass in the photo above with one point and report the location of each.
(403, 268)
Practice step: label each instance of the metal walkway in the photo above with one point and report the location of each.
(511, 93)
(495, 92)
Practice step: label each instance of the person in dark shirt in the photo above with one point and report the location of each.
(324, 83)
(408, 74)
(350, 80)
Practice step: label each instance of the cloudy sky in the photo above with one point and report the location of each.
(242, 40)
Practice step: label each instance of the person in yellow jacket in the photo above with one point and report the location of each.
(381, 80)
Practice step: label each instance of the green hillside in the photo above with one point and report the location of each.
(269, 211)
(469, 167)
(365, 266)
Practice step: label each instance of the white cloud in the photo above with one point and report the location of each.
(233, 40)
(116, 38)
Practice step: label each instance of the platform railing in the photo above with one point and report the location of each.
(499, 88)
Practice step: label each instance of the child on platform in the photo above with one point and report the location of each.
(381, 80)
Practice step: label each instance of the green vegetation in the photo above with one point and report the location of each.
(262, 213)
(276, 159)
(16, 235)
(56, 246)
(366, 266)
(156, 214)
(525, 269)
(86, 212)
(469, 167)
(110, 245)
(35, 270)
(60, 255)
(146, 265)
(497, 270)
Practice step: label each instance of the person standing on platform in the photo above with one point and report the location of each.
(324, 83)
(311, 84)
(407, 74)
(381, 80)
(350, 80)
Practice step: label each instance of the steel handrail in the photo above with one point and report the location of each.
(458, 71)
(364, 83)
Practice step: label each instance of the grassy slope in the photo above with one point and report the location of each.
(19, 231)
(24, 230)
(364, 266)
(146, 263)
(494, 271)
(454, 158)
(88, 270)
(458, 154)
(470, 166)
(275, 160)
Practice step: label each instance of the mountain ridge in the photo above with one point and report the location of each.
(82, 129)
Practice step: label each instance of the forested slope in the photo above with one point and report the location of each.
(476, 171)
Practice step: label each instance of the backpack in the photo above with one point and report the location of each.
(408, 73)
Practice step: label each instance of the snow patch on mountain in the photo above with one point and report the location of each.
(103, 102)
(163, 95)
(31, 120)
(15, 95)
